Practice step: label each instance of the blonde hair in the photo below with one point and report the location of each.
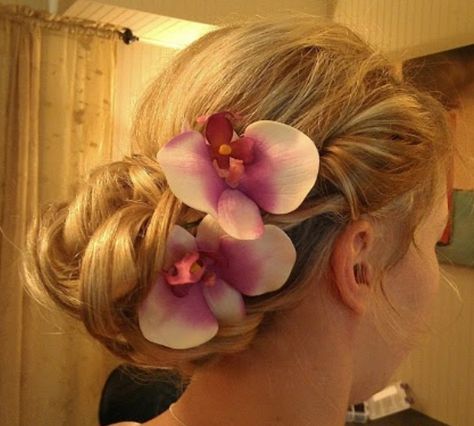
(383, 148)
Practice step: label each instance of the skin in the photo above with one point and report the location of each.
(329, 352)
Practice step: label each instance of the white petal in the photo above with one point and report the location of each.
(188, 168)
(179, 243)
(239, 216)
(285, 168)
(225, 302)
(258, 266)
(176, 322)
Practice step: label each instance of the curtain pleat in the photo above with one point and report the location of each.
(56, 114)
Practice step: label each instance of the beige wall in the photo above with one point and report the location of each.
(218, 11)
(137, 65)
(407, 29)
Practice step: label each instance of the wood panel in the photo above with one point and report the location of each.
(410, 28)
(218, 12)
(149, 27)
(137, 64)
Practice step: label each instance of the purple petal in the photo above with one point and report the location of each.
(186, 162)
(258, 266)
(179, 243)
(242, 149)
(239, 216)
(285, 167)
(225, 302)
(176, 322)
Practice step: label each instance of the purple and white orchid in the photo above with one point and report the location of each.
(204, 279)
(272, 167)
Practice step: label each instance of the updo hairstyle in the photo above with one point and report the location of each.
(383, 147)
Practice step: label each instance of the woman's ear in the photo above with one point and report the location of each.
(350, 267)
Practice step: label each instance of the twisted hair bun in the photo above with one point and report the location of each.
(383, 148)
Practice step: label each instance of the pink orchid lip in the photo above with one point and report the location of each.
(187, 312)
(194, 267)
(186, 271)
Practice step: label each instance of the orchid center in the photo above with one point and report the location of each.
(192, 268)
(187, 270)
(230, 159)
(230, 153)
(225, 149)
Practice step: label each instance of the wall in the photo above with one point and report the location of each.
(218, 11)
(137, 65)
(406, 29)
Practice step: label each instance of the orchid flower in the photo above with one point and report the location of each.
(204, 278)
(272, 167)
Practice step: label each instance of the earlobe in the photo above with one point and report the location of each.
(350, 269)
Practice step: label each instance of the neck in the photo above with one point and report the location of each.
(296, 380)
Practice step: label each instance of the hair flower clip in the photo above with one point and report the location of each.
(204, 278)
(271, 167)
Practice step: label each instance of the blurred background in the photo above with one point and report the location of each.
(70, 76)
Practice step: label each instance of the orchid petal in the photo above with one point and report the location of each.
(176, 322)
(225, 302)
(239, 216)
(242, 149)
(258, 266)
(219, 130)
(208, 234)
(179, 243)
(186, 162)
(284, 169)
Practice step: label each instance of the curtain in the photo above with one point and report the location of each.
(56, 103)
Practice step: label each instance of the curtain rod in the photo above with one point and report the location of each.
(20, 13)
(128, 37)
